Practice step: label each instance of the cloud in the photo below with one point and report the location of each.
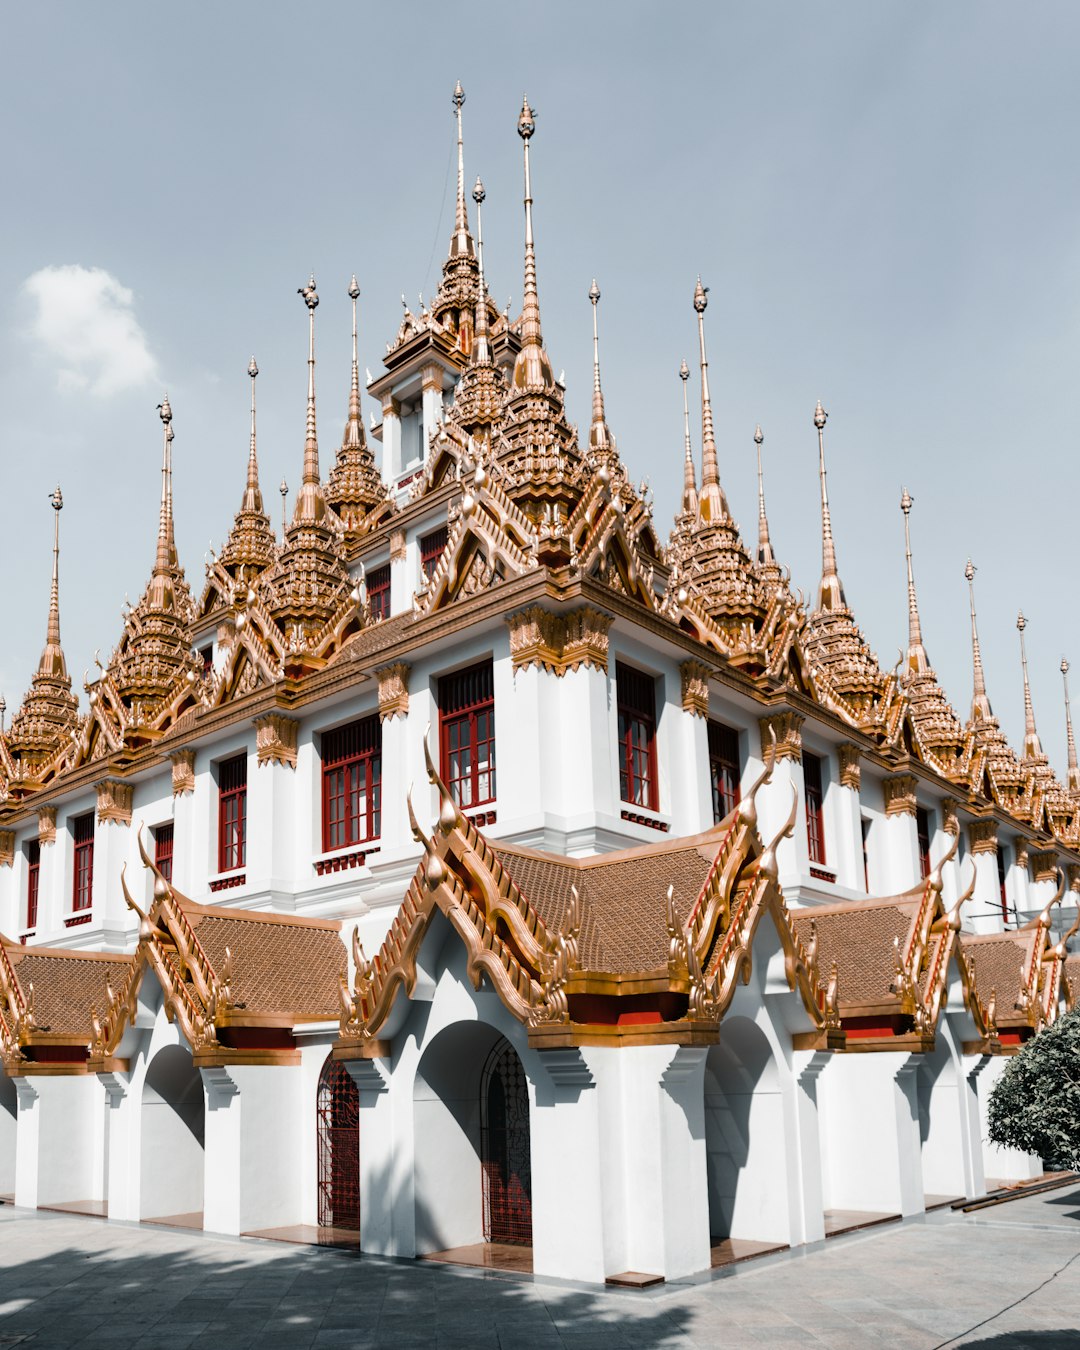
(84, 320)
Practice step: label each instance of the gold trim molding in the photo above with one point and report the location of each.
(397, 545)
(46, 825)
(183, 772)
(788, 729)
(1045, 865)
(393, 690)
(114, 801)
(559, 642)
(275, 740)
(900, 794)
(695, 688)
(7, 847)
(850, 768)
(950, 821)
(982, 836)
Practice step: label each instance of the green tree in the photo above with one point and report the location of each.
(1035, 1104)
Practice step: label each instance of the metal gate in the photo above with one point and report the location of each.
(338, 1108)
(504, 1149)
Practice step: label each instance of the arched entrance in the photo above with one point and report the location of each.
(745, 1139)
(173, 1129)
(338, 1136)
(506, 1165)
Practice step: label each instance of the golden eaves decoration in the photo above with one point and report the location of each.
(694, 681)
(393, 690)
(275, 740)
(7, 847)
(46, 832)
(559, 642)
(784, 730)
(850, 767)
(899, 794)
(114, 801)
(183, 772)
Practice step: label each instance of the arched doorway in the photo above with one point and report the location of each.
(745, 1139)
(173, 1135)
(506, 1166)
(338, 1135)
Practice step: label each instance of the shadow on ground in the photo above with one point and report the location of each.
(1065, 1339)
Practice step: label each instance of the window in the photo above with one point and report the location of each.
(83, 889)
(866, 852)
(431, 550)
(33, 879)
(163, 849)
(1003, 866)
(232, 813)
(467, 734)
(815, 818)
(206, 656)
(352, 783)
(724, 769)
(636, 698)
(378, 592)
(922, 831)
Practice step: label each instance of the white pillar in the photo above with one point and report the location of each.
(982, 913)
(775, 798)
(898, 834)
(432, 396)
(391, 440)
(60, 1140)
(805, 1179)
(844, 806)
(689, 786)
(381, 1169)
(122, 1143)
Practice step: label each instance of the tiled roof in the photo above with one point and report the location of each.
(623, 897)
(999, 959)
(859, 938)
(1071, 972)
(66, 986)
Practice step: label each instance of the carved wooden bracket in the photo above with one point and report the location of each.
(7, 847)
(900, 794)
(850, 769)
(982, 836)
(397, 545)
(788, 729)
(559, 642)
(950, 821)
(46, 825)
(1072, 871)
(183, 772)
(275, 740)
(1045, 865)
(114, 801)
(695, 688)
(393, 690)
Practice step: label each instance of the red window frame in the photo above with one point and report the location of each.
(232, 813)
(467, 734)
(1002, 868)
(635, 696)
(378, 592)
(922, 833)
(431, 550)
(725, 769)
(163, 849)
(352, 784)
(82, 889)
(33, 883)
(814, 796)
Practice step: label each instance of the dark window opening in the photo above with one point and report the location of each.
(378, 592)
(922, 830)
(33, 880)
(83, 888)
(206, 656)
(724, 769)
(1002, 868)
(163, 849)
(866, 853)
(815, 800)
(431, 550)
(352, 783)
(467, 734)
(232, 813)
(636, 698)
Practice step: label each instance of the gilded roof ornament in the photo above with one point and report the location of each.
(1032, 748)
(601, 445)
(980, 703)
(712, 505)
(1073, 778)
(250, 546)
(831, 591)
(355, 488)
(690, 493)
(917, 662)
(461, 244)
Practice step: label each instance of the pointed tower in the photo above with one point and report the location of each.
(770, 569)
(916, 662)
(712, 504)
(980, 704)
(355, 489)
(250, 546)
(478, 398)
(1032, 747)
(1073, 779)
(454, 304)
(309, 581)
(831, 591)
(50, 709)
(690, 492)
(601, 441)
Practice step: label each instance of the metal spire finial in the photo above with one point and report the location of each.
(354, 423)
(166, 551)
(481, 351)
(599, 439)
(765, 550)
(531, 368)
(712, 505)
(690, 493)
(1073, 777)
(917, 661)
(462, 243)
(310, 503)
(252, 495)
(56, 500)
(283, 489)
(1032, 748)
(831, 591)
(980, 704)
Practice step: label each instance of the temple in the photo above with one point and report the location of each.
(479, 851)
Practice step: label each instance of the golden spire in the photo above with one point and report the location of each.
(980, 704)
(1032, 748)
(481, 351)
(690, 494)
(712, 505)
(160, 590)
(52, 657)
(599, 435)
(462, 242)
(831, 591)
(532, 369)
(764, 548)
(354, 425)
(917, 661)
(283, 490)
(310, 504)
(252, 496)
(1074, 770)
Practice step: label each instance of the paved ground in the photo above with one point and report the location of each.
(1005, 1279)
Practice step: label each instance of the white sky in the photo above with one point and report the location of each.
(883, 199)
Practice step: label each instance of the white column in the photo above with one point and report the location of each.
(28, 1142)
(1041, 891)
(982, 913)
(432, 386)
(391, 440)
(843, 805)
(952, 1151)
(899, 834)
(122, 1143)
(60, 1139)
(112, 849)
(805, 1179)
(775, 798)
(689, 789)
(381, 1171)
(524, 726)
(279, 818)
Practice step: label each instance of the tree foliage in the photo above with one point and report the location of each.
(1035, 1104)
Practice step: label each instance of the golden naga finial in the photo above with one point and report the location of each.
(449, 813)
(690, 492)
(980, 704)
(767, 864)
(712, 504)
(747, 808)
(1032, 747)
(917, 661)
(831, 590)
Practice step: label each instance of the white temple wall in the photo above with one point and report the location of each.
(774, 807)
(9, 1133)
(315, 1041)
(948, 1120)
(59, 1150)
(690, 788)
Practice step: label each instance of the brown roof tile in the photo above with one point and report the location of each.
(998, 959)
(859, 938)
(66, 985)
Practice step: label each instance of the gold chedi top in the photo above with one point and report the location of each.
(250, 547)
